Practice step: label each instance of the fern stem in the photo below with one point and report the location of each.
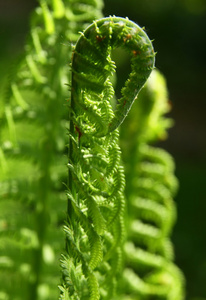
(96, 177)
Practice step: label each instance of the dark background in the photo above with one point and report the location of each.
(178, 28)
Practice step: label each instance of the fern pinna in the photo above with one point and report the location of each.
(150, 272)
(96, 205)
(32, 161)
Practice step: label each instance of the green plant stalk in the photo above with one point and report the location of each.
(96, 178)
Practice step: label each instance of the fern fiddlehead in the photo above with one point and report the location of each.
(95, 228)
(92, 66)
(150, 272)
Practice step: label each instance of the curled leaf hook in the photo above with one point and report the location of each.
(92, 68)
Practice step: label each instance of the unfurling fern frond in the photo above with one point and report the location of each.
(91, 73)
(150, 272)
(96, 204)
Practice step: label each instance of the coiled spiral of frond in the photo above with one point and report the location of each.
(93, 67)
(96, 205)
